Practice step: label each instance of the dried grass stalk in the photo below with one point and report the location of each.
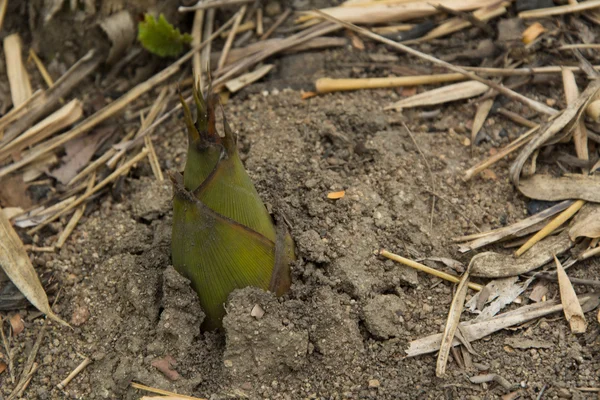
(452, 322)
(560, 10)
(571, 307)
(326, 85)
(64, 117)
(580, 131)
(18, 78)
(242, 81)
(446, 94)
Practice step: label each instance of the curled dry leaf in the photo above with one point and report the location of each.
(336, 195)
(587, 224)
(3, 366)
(566, 121)
(15, 263)
(16, 324)
(550, 188)
(446, 94)
(495, 265)
(568, 297)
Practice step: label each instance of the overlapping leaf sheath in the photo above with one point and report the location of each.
(223, 236)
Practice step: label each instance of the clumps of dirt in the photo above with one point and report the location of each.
(265, 345)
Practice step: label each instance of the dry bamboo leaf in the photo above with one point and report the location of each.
(457, 91)
(381, 13)
(491, 291)
(15, 263)
(587, 223)
(18, 79)
(566, 119)
(532, 32)
(483, 110)
(482, 239)
(452, 322)
(504, 297)
(568, 297)
(60, 119)
(580, 131)
(242, 81)
(456, 24)
(495, 265)
(479, 330)
(549, 188)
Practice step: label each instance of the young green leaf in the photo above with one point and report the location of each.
(160, 37)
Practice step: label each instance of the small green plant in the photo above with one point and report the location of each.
(160, 37)
(223, 236)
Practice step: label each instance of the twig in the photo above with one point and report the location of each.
(551, 227)
(154, 164)
(560, 10)
(3, 4)
(551, 69)
(517, 143)
(87, 361)
(162, 392)
(40, 66)
(259, 22)
(428, 170)
(75, 217)
(277, 23)
(326, 85)
(18, 79)
(452, 322)
(28, 368)
(426, 269)
(513, 116)
(196, 40)
(9, 354)
(118, 172)
(231, 37)
(579, 46)
(203, 5)
(535, 105)
(34, 369)
(472, 19)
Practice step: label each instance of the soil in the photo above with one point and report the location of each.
(341, 331)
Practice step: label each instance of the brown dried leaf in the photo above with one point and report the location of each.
(538, 292)
(587, 224)
(446, 94)
(15, 263)
(568, 297)
(13, 192)
(549, 188)
(165, 365)
(79, 153)
(495, 265)
(16, 324)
